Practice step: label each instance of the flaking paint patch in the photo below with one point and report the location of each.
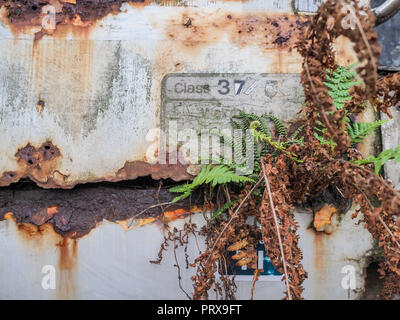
(131, 170)
(38, 163)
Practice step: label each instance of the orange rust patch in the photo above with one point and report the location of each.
(167, 216)
(180, 213)
(9, 216)
(52, 210)
(27, 17)
(323, 217)
(35, 163)
(40, 165)
(43, 215)
(134, 169)
(195, 29)
(30, 232)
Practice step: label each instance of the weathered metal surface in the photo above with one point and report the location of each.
(111, 263)
(91, 92)
(390, 140)
(94, 91)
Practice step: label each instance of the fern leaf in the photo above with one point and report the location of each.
(225, 207)
(278, 124)
(182, 196)
(220, 174)
(297, 132)
(381, 159)
(339, 83)
(358, 131)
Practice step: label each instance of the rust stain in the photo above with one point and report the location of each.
(319, 262)
(166, 217)
(25, 17)
(322, 218)
(37, 163)
(68, 249)
(42, 238)
(40, 106)
(179, 213)
(40, 165)
(43, 215)
(9, 216)
(134, 169)
(37, 237)
(68, 255)
(31, 231)
(74, 213)
(196, 29)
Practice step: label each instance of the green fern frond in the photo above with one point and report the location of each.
(225, 207)
(358, 131)
(235, 125)
(297, 132)
(323, 141)
(339, 83)
(381, 159)
(294, 141)
(277, 146)
(248, 118)
(278, 124)
(219, 174)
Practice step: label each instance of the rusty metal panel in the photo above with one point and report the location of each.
(92, 89)
(111, 263)
(77, 104)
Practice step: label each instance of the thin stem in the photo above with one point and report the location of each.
(379, 217)
(179, 272)
(277, 231)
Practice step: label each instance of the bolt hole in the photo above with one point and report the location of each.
(47, 147)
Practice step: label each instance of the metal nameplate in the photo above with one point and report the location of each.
(208, 101)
